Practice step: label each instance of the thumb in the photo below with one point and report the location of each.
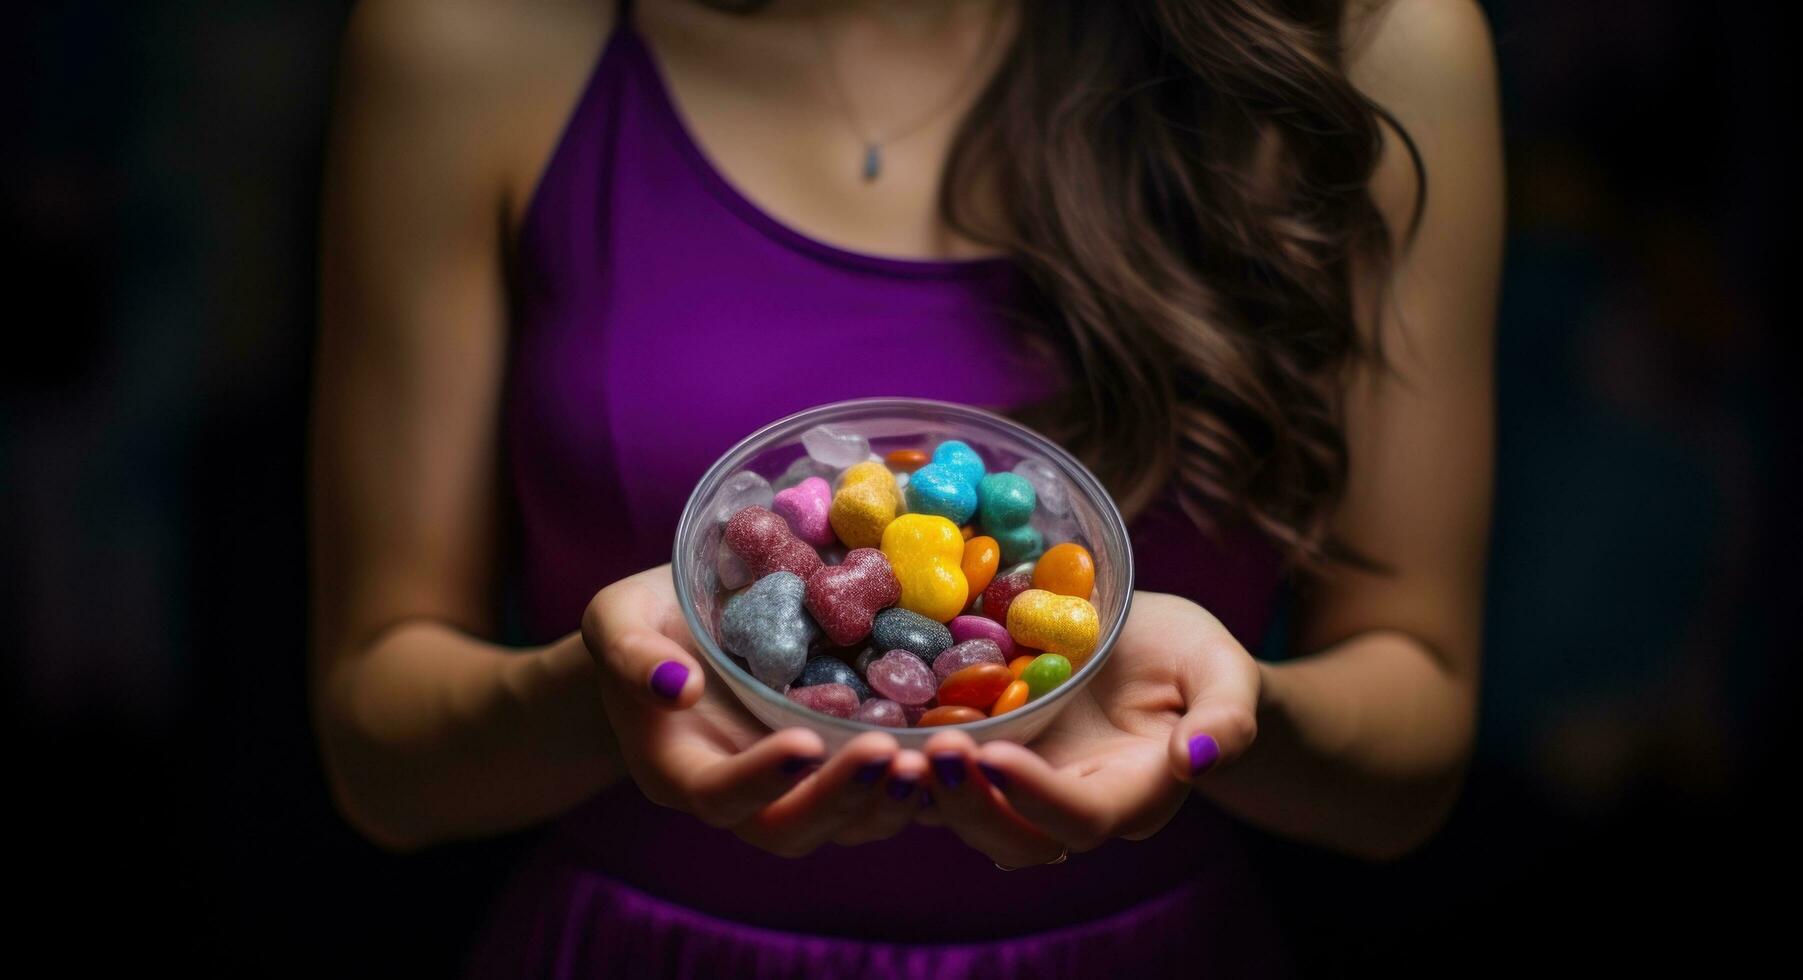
(1219, 727)
(625, 630)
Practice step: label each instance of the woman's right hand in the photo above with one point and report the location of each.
(691, 746)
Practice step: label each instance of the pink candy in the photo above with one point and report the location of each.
(837, 700)
(806, 506)
(767, 545)
(845, 597)
(982, 628)
(903, 678)
(966, 654)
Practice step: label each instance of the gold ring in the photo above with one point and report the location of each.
(1063, 856)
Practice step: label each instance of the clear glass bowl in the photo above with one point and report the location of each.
(903, 423)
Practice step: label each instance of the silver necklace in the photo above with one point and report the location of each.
(872, 166)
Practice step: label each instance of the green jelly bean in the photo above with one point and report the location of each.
(1047, 671)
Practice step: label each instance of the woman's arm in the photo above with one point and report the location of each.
(427, 732)
(1362, 745)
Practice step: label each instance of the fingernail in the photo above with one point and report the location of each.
(926, 797)
(900, 788)
(870, 772)
(949, 769)
(800, 764)
(996, 777)
(1204, 752)
(667, 680)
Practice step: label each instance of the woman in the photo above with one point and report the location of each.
(574, 250)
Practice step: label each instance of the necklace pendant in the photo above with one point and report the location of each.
(873, 162)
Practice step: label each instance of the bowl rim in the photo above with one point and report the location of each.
(693, 522)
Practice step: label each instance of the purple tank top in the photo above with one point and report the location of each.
(658, 316)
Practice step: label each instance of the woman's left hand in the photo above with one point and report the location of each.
(1177, 698)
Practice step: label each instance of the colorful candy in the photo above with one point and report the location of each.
(767, 545)
(1047, 671)
(976, 686)
(982, 556)
(982, 628)
(844, 598)
(1054, 623)
(968, 653)
(1001, 593)
(926, 553)
(831, 670)
(902, 677)
(859, 560)
(806, 507)
(904, 629)
(906, 460)
(881, 711)
(835, 446)
(865, 504)
(1066, 569)
(767, 625)
(1005, 507)
(1013, 696)
(948, 714)
(838, 700)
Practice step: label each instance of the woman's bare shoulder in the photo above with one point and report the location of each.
(1419, 50)
(492, 80)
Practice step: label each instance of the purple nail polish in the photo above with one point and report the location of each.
(900, 788)
(996, 777)
(801, 764)
(870, 772)
(949, 770)
(1204, 752)
(667, 680)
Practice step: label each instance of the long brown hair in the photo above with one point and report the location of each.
(1186, 184)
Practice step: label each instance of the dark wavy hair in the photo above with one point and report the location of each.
(1185, 182)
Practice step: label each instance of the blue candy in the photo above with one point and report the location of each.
(947, 487)
(826, 669)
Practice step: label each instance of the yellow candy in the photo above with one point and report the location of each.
(1054, 623)
(865, 504)
(927, 552)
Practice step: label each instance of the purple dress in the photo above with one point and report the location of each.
(659, 316)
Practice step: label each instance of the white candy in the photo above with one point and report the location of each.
(1048, 486)
(834, 446)
(803, 468)
(732, 570)
(741, 490)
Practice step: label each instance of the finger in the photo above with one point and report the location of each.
(725, 788)
(1080, 810)
(826, 802)
(976, 812)
(897, 801)
(628, 628)
(1217, 730)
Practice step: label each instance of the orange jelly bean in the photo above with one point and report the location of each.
(1019, 664)
(1012, 697)
(907, 460)
(1065, 569)
(948, 714)
(976, 686)
(982, 556)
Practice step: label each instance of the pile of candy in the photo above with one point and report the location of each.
(866, 586)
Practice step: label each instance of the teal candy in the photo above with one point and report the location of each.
(1005, 505)
(1019, 544)
(941, 491)
(961, 460)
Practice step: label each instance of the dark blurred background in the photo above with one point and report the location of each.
(159, 184)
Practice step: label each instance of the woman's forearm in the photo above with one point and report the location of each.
(1361, 747)
(431, 735)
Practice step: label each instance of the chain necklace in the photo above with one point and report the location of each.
(873, 146)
